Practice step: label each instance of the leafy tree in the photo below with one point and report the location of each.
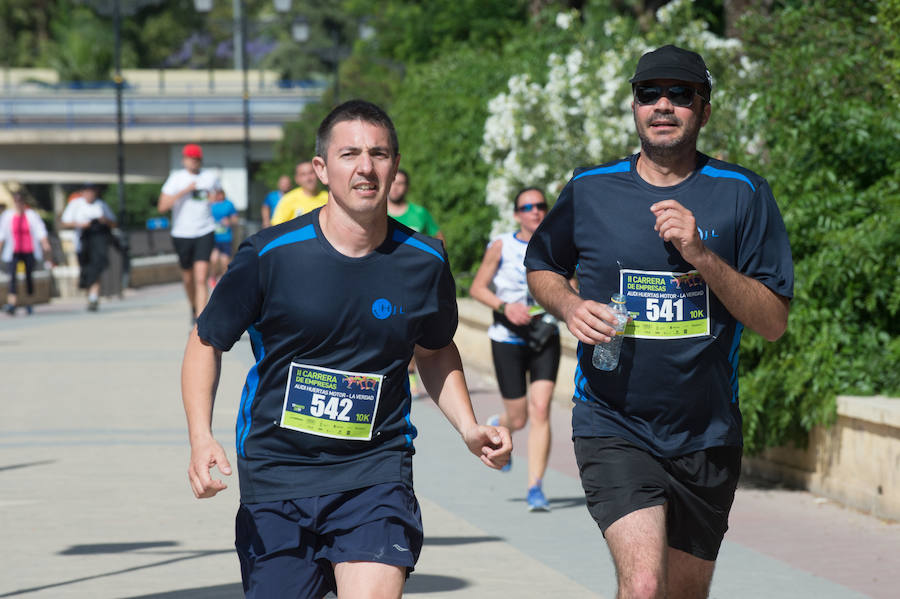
(81, 45)
(412, 32)
(24, 28)
(831, 155)
(140, 202)
(889, 23)
(440, 110)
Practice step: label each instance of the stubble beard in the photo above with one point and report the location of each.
(668, 150)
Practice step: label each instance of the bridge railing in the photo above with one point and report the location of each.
(36, 99)
(87, 110)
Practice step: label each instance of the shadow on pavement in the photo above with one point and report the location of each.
(115, 547)
(188, 555)
(432, 583)
(220, 591)
(558, 503)
(445, 541)
(751, 481)
(417, 583)
(27, 465)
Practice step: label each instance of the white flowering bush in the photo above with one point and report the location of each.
(538, 131)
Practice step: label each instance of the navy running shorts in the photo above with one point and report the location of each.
(287, 548)
(697, 489)
(193, 249)
(224, 247)
(512, 361)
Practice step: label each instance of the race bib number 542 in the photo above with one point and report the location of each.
(665, 305)
(331, 403)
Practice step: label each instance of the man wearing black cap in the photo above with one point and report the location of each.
(700, 251)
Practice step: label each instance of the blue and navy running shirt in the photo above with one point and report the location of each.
(675, 389)
(303, 302)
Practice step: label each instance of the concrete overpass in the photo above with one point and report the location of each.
(52, 134)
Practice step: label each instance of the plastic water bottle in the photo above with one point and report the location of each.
(606, 355)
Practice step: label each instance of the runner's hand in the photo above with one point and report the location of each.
(676, 224)
(205, 455)
(517, 314)
(492, 444)
(591, 322)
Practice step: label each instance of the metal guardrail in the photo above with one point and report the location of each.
(163, 82)
(93, 110)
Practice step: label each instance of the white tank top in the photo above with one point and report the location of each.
(510, 284)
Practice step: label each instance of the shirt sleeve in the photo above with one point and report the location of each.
(68, 215)
(38, 228)
(552, 247)
(431, 228)
(439, 328)
(171, 186)
(764, 251)
(235, 303)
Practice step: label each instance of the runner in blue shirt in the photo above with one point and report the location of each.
(272, 198)
(226, 216)
(335, 302)
(699, 249)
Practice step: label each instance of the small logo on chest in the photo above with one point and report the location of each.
(383, 308)
(707, 234)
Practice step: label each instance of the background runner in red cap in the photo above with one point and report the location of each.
(187, 194)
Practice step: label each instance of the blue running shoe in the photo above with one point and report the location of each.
(495, 421)
(536, 500)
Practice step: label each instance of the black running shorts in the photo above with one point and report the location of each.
(697, 489)
(193, 249)
(513, 361)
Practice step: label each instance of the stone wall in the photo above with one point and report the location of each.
(149, 270)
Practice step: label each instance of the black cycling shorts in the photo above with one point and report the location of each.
(697, 489)
(513, 361)
(193, 249)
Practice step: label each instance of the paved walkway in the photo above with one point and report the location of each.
(94, 499)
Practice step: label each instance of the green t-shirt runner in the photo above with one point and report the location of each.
(419, 219)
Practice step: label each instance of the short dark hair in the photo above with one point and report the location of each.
(525, 190)
(355, 110)
(403, 172)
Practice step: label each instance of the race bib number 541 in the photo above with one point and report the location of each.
(331, 403)
(665, 305)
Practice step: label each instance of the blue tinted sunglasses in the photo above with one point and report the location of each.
(542, 206)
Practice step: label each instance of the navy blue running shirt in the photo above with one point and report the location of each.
(675, 390)
(326, 406)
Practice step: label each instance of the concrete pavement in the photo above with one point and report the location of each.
(94, 499)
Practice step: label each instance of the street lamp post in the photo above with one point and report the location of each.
(241, 18)
(120, 147)
(240, 63)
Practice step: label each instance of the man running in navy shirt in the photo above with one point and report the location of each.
(335, 302)
(699, 249)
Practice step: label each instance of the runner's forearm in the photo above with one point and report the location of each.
(753, 304)
(199, 380)
(553, 292)
(442, 374)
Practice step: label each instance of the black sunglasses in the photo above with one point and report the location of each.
(678, 95)
(542, 206)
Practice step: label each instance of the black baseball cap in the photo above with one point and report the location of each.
(672, 62)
